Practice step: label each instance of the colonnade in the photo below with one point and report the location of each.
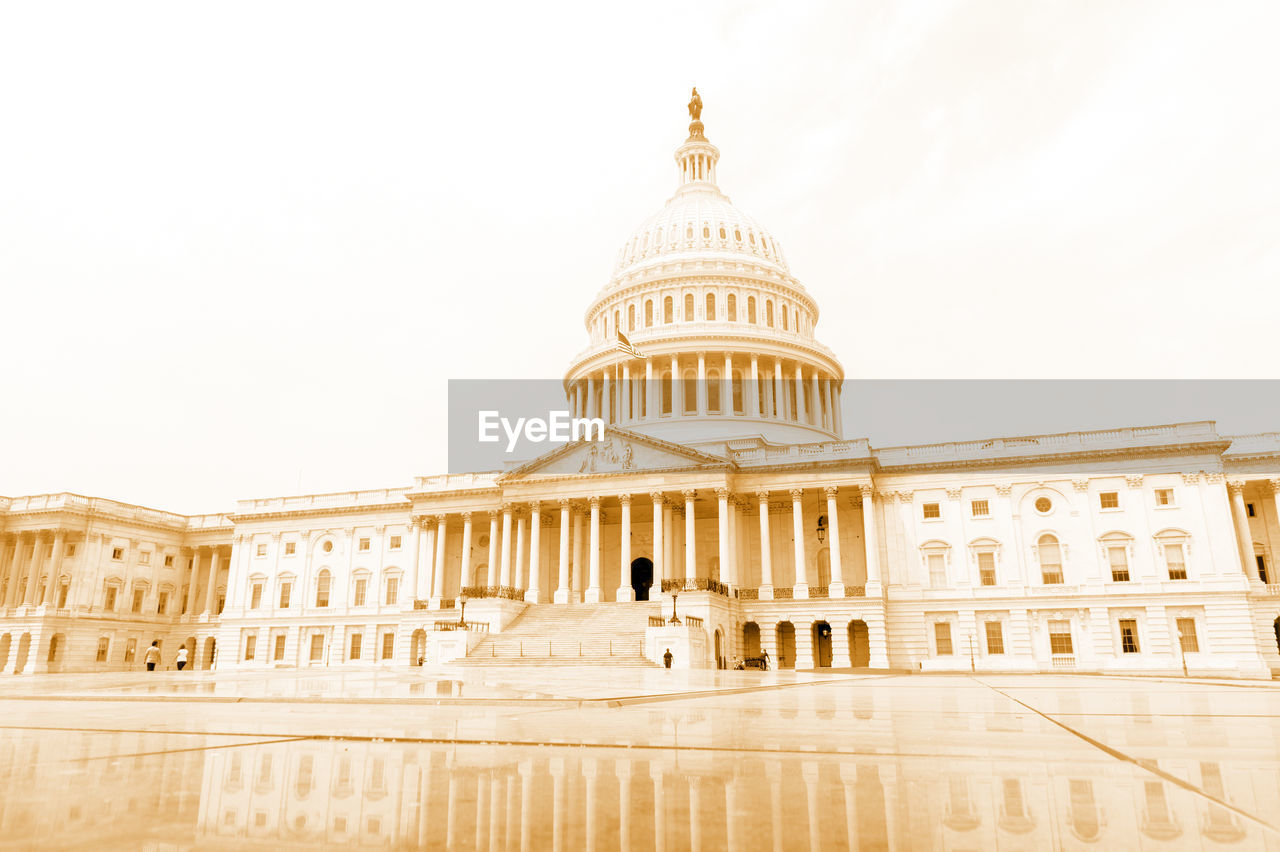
(33, 567)
(636, 390)
(1254, 567)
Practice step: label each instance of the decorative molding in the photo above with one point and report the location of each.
(830, 492)
(1235, 487)
(1081, 485)
(1133, 481)
(722, 494)
(953, 494)
(1214, 477)
(689, 494)
(1004, 490)
(797, 494)
(1192, 478)
(906, 496)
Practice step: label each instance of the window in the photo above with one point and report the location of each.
(631, 317)
(290, 548)
(688, 307)
(168, 560)
(1118, 555)
(322, 589)
(784, 317)
(279, 649)
(1128, 635)
(356, 639)
(71, 550)
(327, 547)
(1050, 553)
(393, 590)
(932, 510)
(980, 508)
(1109, 500)
(117, 553)
(668, 310)
(162, 602)
(937, 570)
(995, 637)
(1164, 496)
(250, 645)
(1248, 510)
(144, 558)
(317, 647)
(286, 590)
(110, 603)
(751, 309)
(1060, 637)
(255, 598)
(1044, 505)
(648, 313)
(1176, 560)
(1187, 640)
(261, 549)
(711, 307)
(63, 590)
(1259, 559)
(360, 592)
(395, 542)
(364, 544)
(138, 595)
(104, 645)
(768, 313)
(388, 645)
(731, 307)
(942, 638)
(130, 650)
(987, 567)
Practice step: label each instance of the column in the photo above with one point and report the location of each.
(827, 398)
(593, 409)
(835, 409)
(427, 573)
(650, 391)
(670, 570)
(732, 842)
(415, 548)
(1243, 535)
(695, 813)
(15, 574)
(191, 589)
(520, 539)
(505, 575)
(702, 383)
(726, 387)
(836, 589)
(437, 574)
(722, 516)
(492, 579)
(677, 388)
(33, 577)
(593, 594)
(534, 592)
(211, 591)
(626, 395)
(735, 551)
(558, 814)
(802, 415)
(690, 533)
(526, 801)
(55, 568)
(779, 398)
(562, 586)
(766, 551)
(576, 584)
(606, 399)
(659, 552)
(871, 537)
(814, 395)
(625, 592)
(467, 579)
(797, 529)
(756, 405)
(9, 565)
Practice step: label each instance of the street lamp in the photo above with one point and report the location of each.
(822, 528)
(674, 619)
(462, 610)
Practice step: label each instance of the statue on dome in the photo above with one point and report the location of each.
(695, 105)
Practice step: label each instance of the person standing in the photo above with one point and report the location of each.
(667, 657)
(182, 658)
(153, 655)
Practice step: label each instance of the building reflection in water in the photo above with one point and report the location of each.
(307, 792)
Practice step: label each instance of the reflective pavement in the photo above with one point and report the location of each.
(568, 759)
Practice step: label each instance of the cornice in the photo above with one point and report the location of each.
(404, 508)
(1101, 454)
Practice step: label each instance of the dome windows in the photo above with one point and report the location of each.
(731, 308)
(737, 235)
(723, 235)
(706, 232)
(711, 307)
(688, 307)
(768, 313)
(751, 309)
(631, 317)
(688, 231)
(668, 310)
(648, 313)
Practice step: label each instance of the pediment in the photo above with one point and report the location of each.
(621, 451)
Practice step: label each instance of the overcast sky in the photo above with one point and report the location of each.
(244, 245)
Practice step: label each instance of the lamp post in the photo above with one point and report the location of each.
(822, 528)
(462, 610)
(674, 618)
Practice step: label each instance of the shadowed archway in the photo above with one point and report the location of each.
(641, 577)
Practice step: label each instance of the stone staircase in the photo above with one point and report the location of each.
(609, 634)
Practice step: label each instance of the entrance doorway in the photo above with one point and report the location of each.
(822, 644)
(750, 640)
(24, 649)
(210, 646)
(859, 645)
(641, 577)
(418, 648)
(719, 650)
(786, 645)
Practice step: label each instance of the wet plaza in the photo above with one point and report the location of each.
(545, 757)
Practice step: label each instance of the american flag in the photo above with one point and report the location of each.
(624, 345)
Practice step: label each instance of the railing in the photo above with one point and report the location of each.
(657, 621)
(749, 594)
(697, 584)
(506, 592)
(781, 593)
(561, 648)
(819, 592)
(471, 626)
(1064, 661)
(1271, 590)
(693, 621)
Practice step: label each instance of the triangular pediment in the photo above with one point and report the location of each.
(621, 451)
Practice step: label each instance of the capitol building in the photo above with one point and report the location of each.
(724, 517)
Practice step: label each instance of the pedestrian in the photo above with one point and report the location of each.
(182, 658)
(666, 658)
(153, 655)
(764, 655)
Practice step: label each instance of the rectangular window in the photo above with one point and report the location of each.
(987, 567)
(364, 544)
(358, 595)
(290, 548)
(138, 595)
(104, 645)
(286, 590)
(110, 603)
(322, 589)
(1176, 560)
(1248, 510)
(1262, 568)
(279, 649)
(395, 542)
(388, 645)
(1187, 639)
(1119, 558)
(1060, 637)
(168, 560)
(162, 603)
(942, 638)
(255, 599)
(250, 645)
(1128, 636)
(71, 550)
(937, 570)
(1164, 496)
(932, 510)
(144, 558)
(317, 647)
(980, 508)
(130, 650)
(1109, 499)
(117, 553)
(261, 550)
(995, 637)
(356, 640)
(393, 590)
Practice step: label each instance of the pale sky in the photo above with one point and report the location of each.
(244, 245)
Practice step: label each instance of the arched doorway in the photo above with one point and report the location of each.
(418, 648)
(5, 641)
(750, 640)
(859, 645)
(786, 645)
(1276, 625)
(641, 577)
(210, 646)
(24, 649)
(822, 645)
(719, 649)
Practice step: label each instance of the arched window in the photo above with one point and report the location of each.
(722, 233)
(737, 235)
(688, 307)
(322, 587)
(711, 307)
(706, 232)
(688, 231)
(713, 391)
(751, 309)
(731, 307)
(784, 317)
(666, 393)
(648, 313)
(689, 390)
(768, 313)
(738, 406)
(1050, 553)
(1116, 548)
(668, 310)
(631, 317)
